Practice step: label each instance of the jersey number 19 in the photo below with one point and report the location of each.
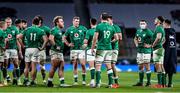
(106, 34)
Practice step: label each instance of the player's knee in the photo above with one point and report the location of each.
(141, 67)
(158, 69)
(75, 64)
(108, 66)
(98, 67)
(62, 68)
(73, 60)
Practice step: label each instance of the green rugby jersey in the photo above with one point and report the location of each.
(159, 29)
(115, 45)
(106, 32)
(57, 33)
(33, 35)
(46, 29)
(77, 36)
(89, 36)
(144, 36)
(12, 33)
(3, 35)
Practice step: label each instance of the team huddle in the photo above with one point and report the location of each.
(99, 45)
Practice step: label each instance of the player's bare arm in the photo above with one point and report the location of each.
(19, 42)
(116, 37)
(51, 39)
(147, 45)
(67, 43)
(19, 48)
(120, 36)
(164, 40)
(135, 41)
(45, 39)
(85, 43)
(19, 39)
(158, 37)
(96, 34)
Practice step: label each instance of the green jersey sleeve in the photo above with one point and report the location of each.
(117, 28)
(97, 29)
(16, 30)
(42, 33)
(67, 32)
(85, 29)
(52, 32)
(46, 29)
(24, 32)
(151, 35)
(159, 30)
(87, 35)
(114, 30)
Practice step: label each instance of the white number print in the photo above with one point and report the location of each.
(107, 34)
(33, 36)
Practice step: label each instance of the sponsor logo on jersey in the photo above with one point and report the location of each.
(13, 31)
(171, 37)
(80, 30)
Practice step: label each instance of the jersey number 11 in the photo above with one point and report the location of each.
(33, 37)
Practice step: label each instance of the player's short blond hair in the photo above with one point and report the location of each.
(2, 23)
(8, 18)
(56, 18)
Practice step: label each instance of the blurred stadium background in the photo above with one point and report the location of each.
(126, 14)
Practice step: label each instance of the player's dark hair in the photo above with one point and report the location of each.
(2, 23)
(56, 18)
(24, 21)
(40, 18)
(93, 21)
(104, 16)
(167, 21)
(76, 17)
(143, 20)
(160, 18)
(18, 21)
(110, 16)
(36, 20)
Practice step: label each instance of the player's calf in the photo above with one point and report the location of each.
(83, 73)
(54, 66)
(75, 66)
(43, 73)
(33, 73)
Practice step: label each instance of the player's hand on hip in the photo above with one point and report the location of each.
(40, 49)
(84, 46)
(147, 46)
(3, 48)
(136, 45)
(71, 45)
(92, 51)
(20, 55)
(6, 39)
(58, 48)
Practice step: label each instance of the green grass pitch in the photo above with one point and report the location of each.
(127, 79)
